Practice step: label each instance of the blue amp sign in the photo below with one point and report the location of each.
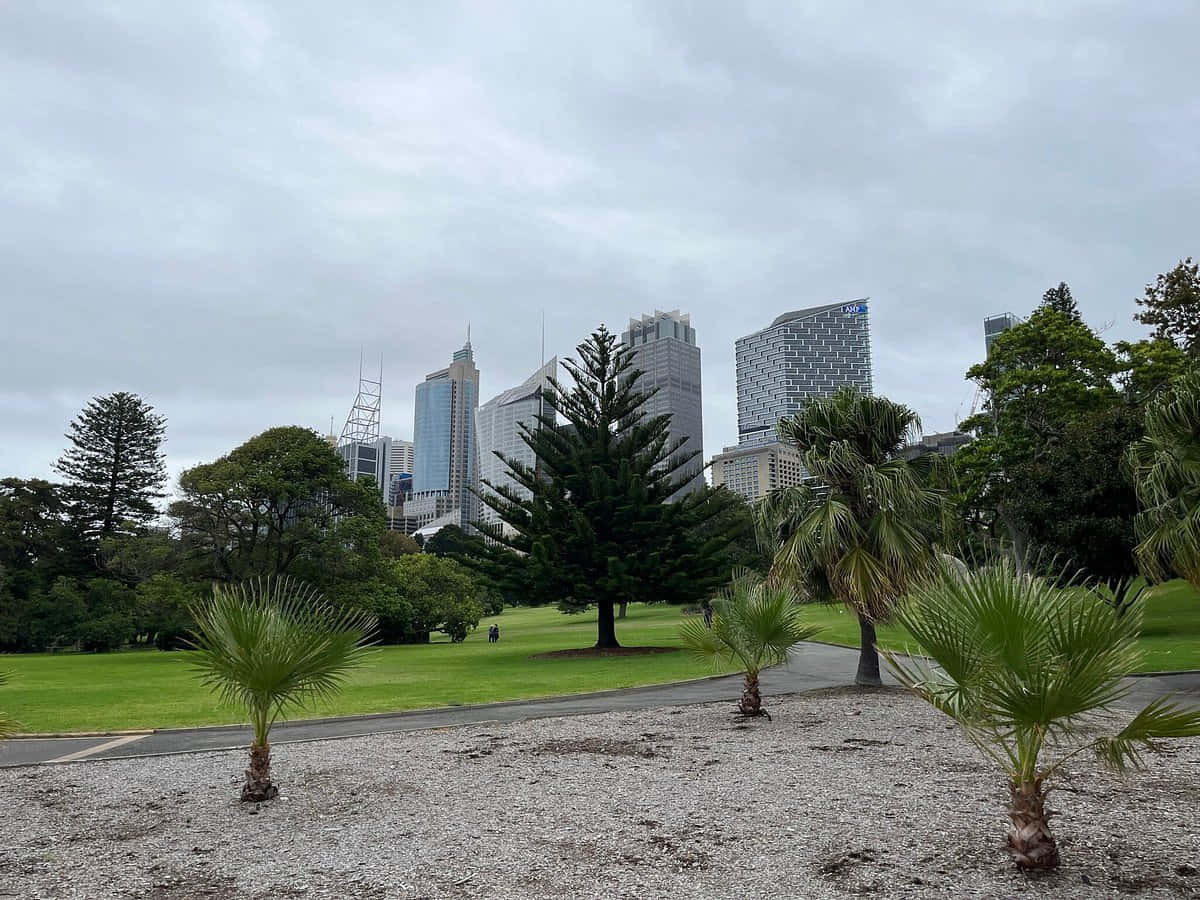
(854, 308)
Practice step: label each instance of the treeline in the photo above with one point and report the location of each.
(1047, 477)
(93, 563)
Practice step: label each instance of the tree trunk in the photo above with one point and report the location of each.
(1029, 840)
(607, 637)
(622, 608)
(751, 704)
(868, 656)
(258, 786)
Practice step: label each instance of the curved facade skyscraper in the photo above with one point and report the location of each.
(806, 353)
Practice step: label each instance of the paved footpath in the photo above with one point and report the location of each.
(811, 667)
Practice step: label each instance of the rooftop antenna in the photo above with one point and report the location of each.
(362, 424)
(543, 336)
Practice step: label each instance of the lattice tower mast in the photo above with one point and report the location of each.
(362, 425)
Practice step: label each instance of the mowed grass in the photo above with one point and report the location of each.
(152, 689)
(1170, 629)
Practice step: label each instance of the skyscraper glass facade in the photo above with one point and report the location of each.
(807, 353)
(431, 434)
(665, 351)
(444, 441)
(499, 424)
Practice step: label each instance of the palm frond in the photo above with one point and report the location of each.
(274, 644)
(1161, 718)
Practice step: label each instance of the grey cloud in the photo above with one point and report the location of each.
(218, 206)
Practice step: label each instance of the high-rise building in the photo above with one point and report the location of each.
(754, 471)
(499, 424)
(369, 460)
(446, 463)
(994, 326)
(807, 353)
(665, 351)
(402, 457)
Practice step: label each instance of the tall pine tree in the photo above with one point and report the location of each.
(115, 465)
(596, 528)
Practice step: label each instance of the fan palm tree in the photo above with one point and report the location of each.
(272, 644)
(863, 529)
(1030, 669)
(8, 725)
(753, 624)
(1166, 471)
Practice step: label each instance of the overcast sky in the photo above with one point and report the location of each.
(215, 205)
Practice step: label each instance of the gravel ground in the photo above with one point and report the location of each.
(845, 793)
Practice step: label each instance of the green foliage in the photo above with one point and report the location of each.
(115, 465)
(450, 540)
(281, 502)
(417, 594)
(109, 621)
(1172, 306)
(1166, 469)
(1149, 366)
(1075, 501)
(394, 544)
(754, 624)
(1024, 665)
(596, 528)
(274, 644)
(163, 612)
(1043, 381)
(864, 528)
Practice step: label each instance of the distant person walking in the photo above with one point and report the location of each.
(494, 634)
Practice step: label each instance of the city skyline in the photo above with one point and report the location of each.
(225, 231)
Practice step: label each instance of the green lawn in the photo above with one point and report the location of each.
(152, 689)
(1170, 631)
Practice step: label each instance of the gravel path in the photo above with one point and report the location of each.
(845, 793)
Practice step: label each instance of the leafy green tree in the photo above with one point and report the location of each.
(135, 558)
(451, 541)
(1166, 469)
(163, 613)
(52, 618)
(1148, 367)
(109, 621)
(272, 645)
(595, 527)
(865, 531)
(1172, 306)
(394, 544)
(1075, 501)
(1040, 377)
(754, 624)
(279, 500)
(115, 464)
(1023, 666)
(37, 540)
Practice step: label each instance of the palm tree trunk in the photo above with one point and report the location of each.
(751, 704)
(258, 786)
(1029, 840)
(868, 656)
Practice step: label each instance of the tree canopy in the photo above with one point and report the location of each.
(115, 465)
(592, 525)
